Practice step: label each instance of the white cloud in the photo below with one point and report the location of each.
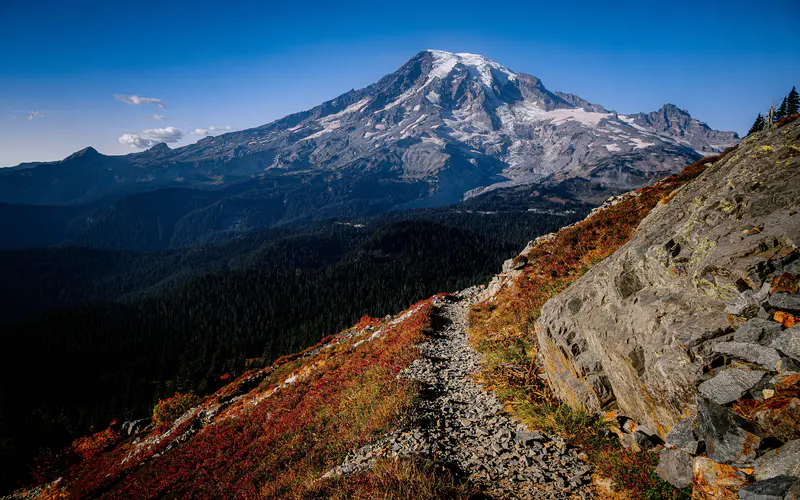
(157, 117)
(202, 132)
(35, 114)
(150, 137)
(135, 99)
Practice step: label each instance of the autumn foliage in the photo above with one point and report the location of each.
(171, 408)
(273, 432)
(89, 446)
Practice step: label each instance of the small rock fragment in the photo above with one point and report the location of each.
(785, 283)
(682, 435)
(788, 342)
(675, 467)
(786, 319)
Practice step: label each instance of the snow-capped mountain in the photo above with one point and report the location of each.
(442, 127)
(464, 121)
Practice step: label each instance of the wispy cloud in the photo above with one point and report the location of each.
(135, 99)
(35, 114)
(199, 131)
(150, 137)
(225, 128)
(157, 117)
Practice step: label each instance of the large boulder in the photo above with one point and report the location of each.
(683, 437)
(730, 384)
(761, 355)
(639, 328)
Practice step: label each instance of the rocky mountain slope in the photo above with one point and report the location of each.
(442, 127)
(643, 327)
(685, 340)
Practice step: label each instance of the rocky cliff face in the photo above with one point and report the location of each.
(643, 328)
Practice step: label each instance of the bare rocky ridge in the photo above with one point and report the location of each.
(460, 424)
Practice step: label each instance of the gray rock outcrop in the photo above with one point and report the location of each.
(639, 329)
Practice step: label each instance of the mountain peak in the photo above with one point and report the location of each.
(88, 152)
(673, 109)
(444, 62)
(161, 146)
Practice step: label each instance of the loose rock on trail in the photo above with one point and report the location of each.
(460, 424)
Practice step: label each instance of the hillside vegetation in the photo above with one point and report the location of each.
(112, 332)
(274, 431)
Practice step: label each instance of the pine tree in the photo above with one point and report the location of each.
(757, 125)
(780, 113)
(792, 102)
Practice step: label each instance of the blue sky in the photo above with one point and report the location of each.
(240, 64)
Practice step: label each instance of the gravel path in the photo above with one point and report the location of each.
(459, 423)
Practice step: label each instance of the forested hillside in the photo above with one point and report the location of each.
(112, 332)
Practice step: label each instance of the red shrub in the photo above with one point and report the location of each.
(167, 410)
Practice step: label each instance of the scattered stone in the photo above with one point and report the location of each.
(644, 440)
(794, 492)
(748, 302)
(132, 427)
(725, 441)
(784, 461)
(784, 283)
(780, 418)
(775, 488)
(629, 426)
(682, 435)
(730, 384)
(675, 467)
(714, 480)
(754, 353)
(786, 302)
(786, 319)
(757, 330)
(788, 342)
(460, 423)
